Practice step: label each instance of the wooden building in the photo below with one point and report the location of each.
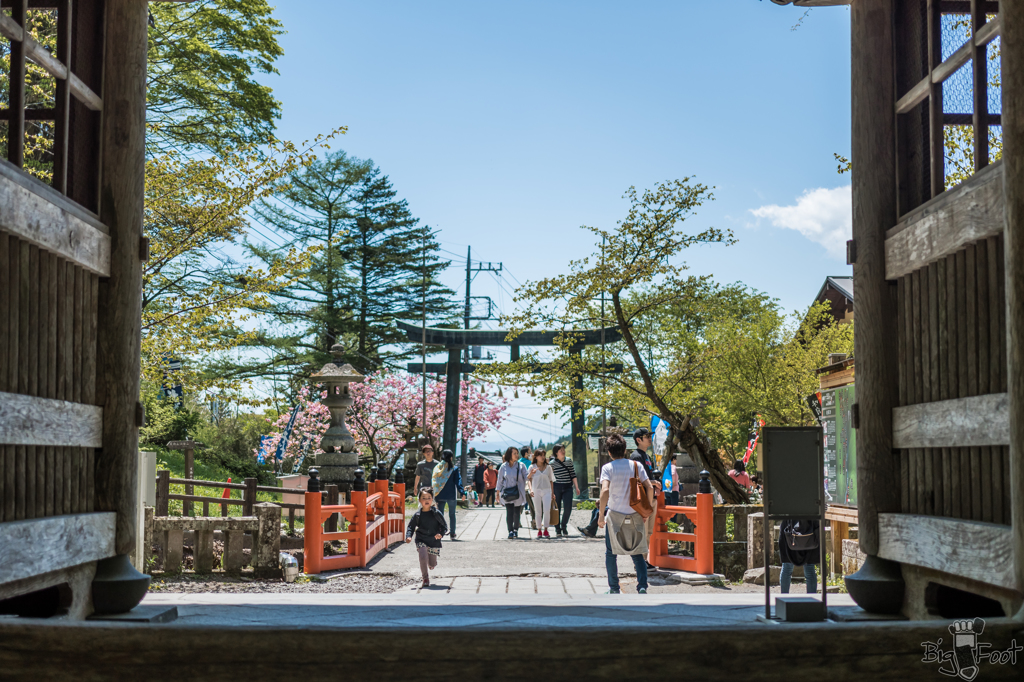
(938, 266)
(837, 291)
(71, 253)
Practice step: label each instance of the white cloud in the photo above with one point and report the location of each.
(822, 215)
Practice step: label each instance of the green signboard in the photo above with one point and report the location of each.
(840, 445)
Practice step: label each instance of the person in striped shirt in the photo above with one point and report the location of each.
(565, 483)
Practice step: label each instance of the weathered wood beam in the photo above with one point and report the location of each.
(37, 546)
(962, 422)
(1013, 193)
(844, 652)
(917, 94)
(39, 220)
(27, 420)
(947, 223)
(461, 338)
(77, 578)
(41, 56)
(122, 193)
(873, 153)
(969, 549)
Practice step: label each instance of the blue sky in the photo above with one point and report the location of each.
(509, 125)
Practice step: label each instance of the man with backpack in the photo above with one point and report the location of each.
(642, 440)
(626, 495)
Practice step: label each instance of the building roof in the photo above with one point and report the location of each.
(841, 283)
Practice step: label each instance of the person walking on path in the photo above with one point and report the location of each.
(670, 481)
(626, 531)
(478, 481)
(739, 474)
(541, 479)
(424, 469)
(799, 543)
(427, 527)
(565, 484)
(642, 440)
(490, 482)
(447, 481)
(670, 484)
(525, 457)
(511, 486)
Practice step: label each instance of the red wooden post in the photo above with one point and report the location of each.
(704, 548)
(400, 506)
(382, 488)
(226, 495)
(312, 545)
(359, 526)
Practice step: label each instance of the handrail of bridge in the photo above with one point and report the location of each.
(703, 539)
(376, 520)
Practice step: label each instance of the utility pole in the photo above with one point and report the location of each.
(603, 410)
(467, 316)
(464, 454)
(424, 351)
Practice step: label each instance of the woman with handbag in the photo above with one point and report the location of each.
(512, 489)
(541, 479)
(799, 543)
(628, 498)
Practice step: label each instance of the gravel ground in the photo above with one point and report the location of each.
(384, 583)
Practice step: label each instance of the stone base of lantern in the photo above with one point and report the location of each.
(337, 468)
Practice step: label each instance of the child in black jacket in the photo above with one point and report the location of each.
(428, 527)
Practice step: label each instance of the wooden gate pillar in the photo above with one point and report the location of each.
(579, 426)
(874, 211)
(451, 402)
(1012, 14)
(120, 308)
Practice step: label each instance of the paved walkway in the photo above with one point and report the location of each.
(484, 550)
(464, 609)
(487, 523)
(501, 585)
(485, 580)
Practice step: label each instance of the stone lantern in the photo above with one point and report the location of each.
(410, 449)
(339, 460)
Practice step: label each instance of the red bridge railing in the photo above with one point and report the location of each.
(703, 560)
(376, 520)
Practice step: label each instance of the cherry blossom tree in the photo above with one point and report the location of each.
(382, 408)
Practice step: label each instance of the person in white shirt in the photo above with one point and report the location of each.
(626, 533)
(541, 478)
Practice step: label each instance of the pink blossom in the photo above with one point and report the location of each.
(382, 407)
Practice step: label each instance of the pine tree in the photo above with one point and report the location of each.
(385, 249)
(372, 264)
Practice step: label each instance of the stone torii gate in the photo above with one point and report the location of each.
(455, 340)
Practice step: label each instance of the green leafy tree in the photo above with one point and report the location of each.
(637, 265)
(203, 56)
(766, 364)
